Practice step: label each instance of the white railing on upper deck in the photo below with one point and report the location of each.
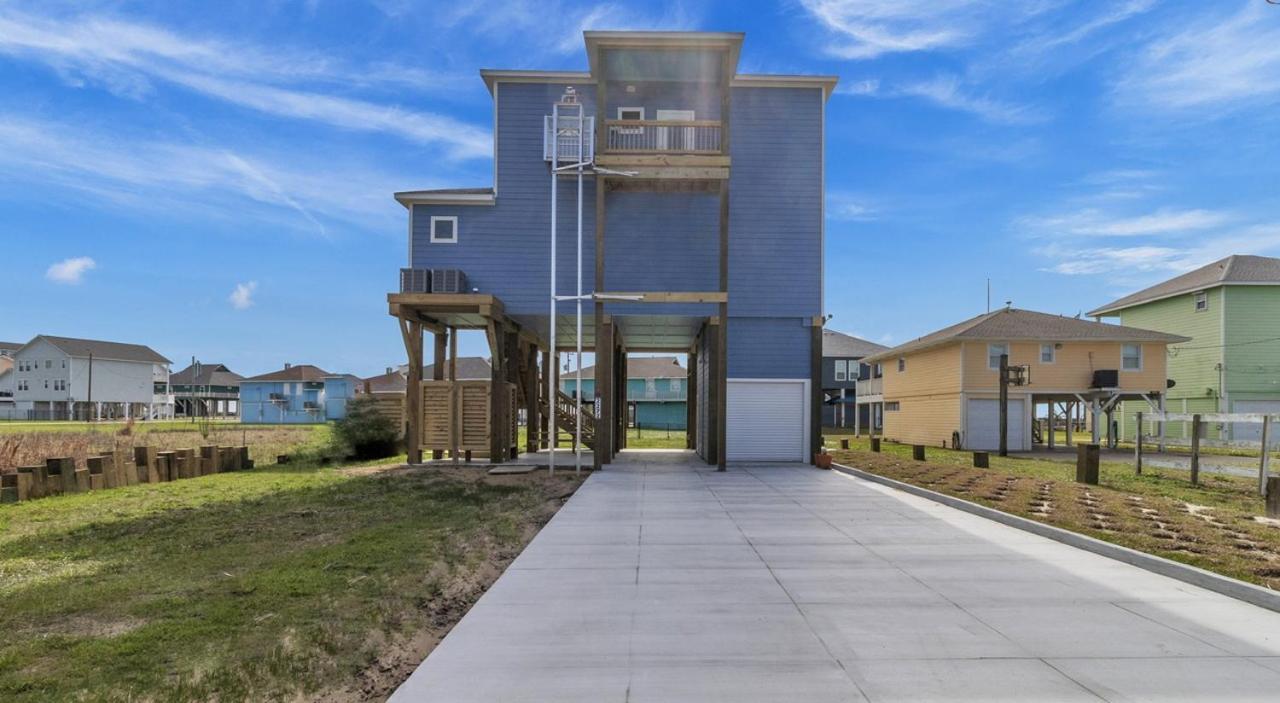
(573, 148)
(663, 136)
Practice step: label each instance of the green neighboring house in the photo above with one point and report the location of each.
(1231, 311)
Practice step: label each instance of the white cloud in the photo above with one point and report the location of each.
(70, 271)
(849, 208)
(869, 86)
(242, 297)
(142, 173)
(1162, 260)
(947, 92)
(1096, 223)
(128, 58)
(866, 29)
(1205, 62)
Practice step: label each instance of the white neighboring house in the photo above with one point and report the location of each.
(62, 378)
(6, 379)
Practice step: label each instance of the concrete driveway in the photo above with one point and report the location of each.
(663, 581)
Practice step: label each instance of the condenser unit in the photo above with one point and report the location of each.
(448, 281)
(415, 280)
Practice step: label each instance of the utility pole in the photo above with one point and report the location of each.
(1004, 405)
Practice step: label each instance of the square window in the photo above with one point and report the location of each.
(444, 230)
(1202, 301)
(1131, 357)
(994, 352)
(1048, 353)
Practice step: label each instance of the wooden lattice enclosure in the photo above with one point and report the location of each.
(442, 401)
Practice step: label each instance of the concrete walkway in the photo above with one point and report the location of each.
(663, 581)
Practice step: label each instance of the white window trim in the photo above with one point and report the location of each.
(842, 370)
(1141, 361)
(444, 218)
(628, 109)
(1053, 353)
(1199, 296)
(990, 348)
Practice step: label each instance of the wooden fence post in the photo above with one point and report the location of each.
(97, 477)
(164, 466)
(65, 469)
(1264, 465)
(25, 475)
(1137, 447)
(1273, 497)
(917, 452)
(981, 460)
(9, 488)
(875, 444)
(1195, 449)
(1087, 463)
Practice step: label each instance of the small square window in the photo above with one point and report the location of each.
(994, 352)
(1202, 301)
(444, 230)
(1131, 357)
(1048, 353)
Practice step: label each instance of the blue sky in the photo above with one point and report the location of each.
(217, 182)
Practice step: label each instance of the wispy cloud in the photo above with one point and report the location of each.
(242, 297)
(1131, 262)
(949, 93)
(849, 208)
(1219, 63)
(555, 27)
(129, 58)
(866, 29)
(1097, 223)
(144, 173)
(70, 271)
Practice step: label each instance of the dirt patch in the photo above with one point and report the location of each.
(455, 589)
(1219, 538)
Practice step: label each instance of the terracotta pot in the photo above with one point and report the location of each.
(822, 460)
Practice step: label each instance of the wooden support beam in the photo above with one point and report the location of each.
(532, 419)
(497, 391)
(440, 342)
(691, 402)
(604, 391)
(511, 363)
(722, 343)
(411, 331)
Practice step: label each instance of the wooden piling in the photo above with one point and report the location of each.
(64, 469)
(39, 480)
(1264, 460)
(145, 458)
(97, 472)
(1196, 428)
(127, 468)
(981, 460)
(9, 488)
(164, 466)
(917, 452)
(208, 460)
(875, 444)
(24, 482)
(244, 463)
(1137, 447)
(1087, 463)
(1273, 497)
(844, 443)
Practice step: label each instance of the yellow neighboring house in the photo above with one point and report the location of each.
(943, 389)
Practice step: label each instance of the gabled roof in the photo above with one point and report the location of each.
(1238, 269)
(470, 368)
(210, 375)
(840, 344)
(641, 367)
(299, 372)
(10, 345)
(1014, 325)
(115, 351)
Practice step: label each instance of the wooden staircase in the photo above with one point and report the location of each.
(565, 419)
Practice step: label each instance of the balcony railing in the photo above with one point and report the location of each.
(657, 394)
(663, 136)
(573, 144)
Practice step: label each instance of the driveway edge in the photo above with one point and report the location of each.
(1186, 573)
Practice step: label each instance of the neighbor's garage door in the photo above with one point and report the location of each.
(982, 418)
(1252, 431)
(766, 420)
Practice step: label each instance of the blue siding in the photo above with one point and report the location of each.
(775, 203)
(503, 248)
(767, 347)
(702, 98)
(337, 391)
(256, 405)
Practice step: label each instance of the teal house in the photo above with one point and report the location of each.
(657, 389)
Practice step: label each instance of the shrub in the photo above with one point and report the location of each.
(366, 433)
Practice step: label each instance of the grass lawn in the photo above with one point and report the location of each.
(1215, 525)
(636, 439)
(274, 584)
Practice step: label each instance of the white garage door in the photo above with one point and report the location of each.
(766, 420)
(983, 419)
(1252, 431)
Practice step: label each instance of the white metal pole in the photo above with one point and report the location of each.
(577, 429)
(551, 321)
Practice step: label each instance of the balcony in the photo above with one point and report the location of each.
(663, 136)
(571, 143)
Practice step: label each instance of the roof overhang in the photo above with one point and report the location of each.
(409, 198)
(493, 76)
(907, 349)
(730, 42)
(765, 80)
(1112, 309)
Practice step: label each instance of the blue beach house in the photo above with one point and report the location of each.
(656, 392)
(296, 394)
(696, 192)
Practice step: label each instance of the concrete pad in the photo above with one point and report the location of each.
(1165, 680)
(973, 680)
(661, 580)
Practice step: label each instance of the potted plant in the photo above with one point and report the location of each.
(822, 459)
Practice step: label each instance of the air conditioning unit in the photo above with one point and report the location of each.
(448, 281)
(415, 280)
(1106, 378)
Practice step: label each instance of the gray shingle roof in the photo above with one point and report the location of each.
(298, 372)
(642, 367)
(82, 348)
(470, 368)
(840, 344)
(1239, 268)
(210, 375)
(1012, 325)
